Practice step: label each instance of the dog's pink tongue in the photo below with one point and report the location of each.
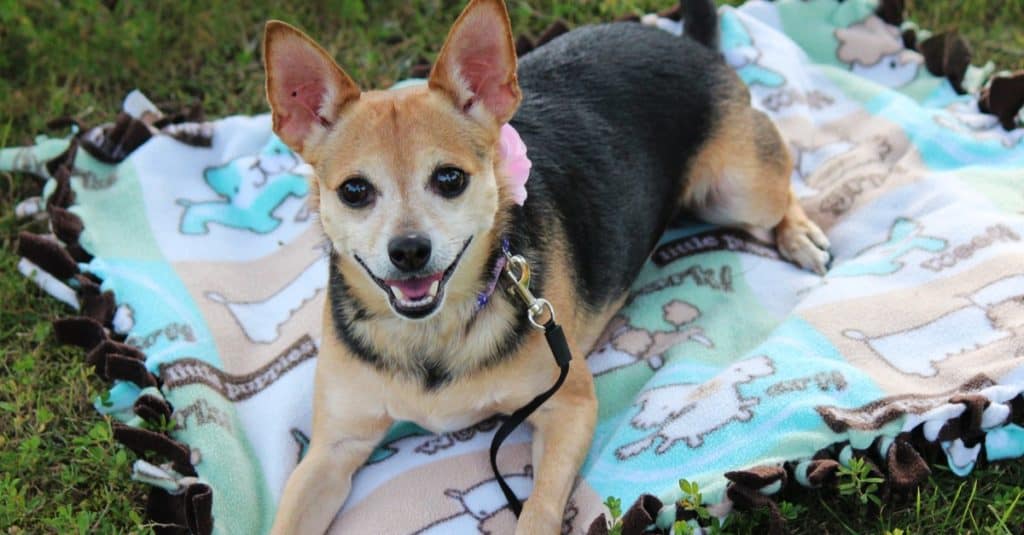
(415, 289)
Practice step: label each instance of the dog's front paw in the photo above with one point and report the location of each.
(801, 241)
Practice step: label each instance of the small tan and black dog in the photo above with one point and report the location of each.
(626, 125)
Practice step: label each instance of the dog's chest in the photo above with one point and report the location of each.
(442, 414)
(466, 401)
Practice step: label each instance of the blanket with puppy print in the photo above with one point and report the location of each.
(198, 274)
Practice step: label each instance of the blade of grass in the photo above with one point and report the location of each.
(967, 506)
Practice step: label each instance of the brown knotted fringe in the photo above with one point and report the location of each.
(641, 515)
(112, 144)
(175, 113)
(65, 159)
(47, 254)
(141, 441)
(599, 526)
(968, 425)
(62, 196)
(906, 468)
(745, 493)
(1016, 411)
(1004, 98)
(66, 225)
(128, 369)
(636, 520)
(747, 499)
(85, 333)
(112, 360)
(98, 306)
(190, 511)
(891, 11)
(153, 409)
(98, 355)
(947, 54)
(822, 473)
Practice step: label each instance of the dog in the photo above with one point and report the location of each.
(625, 126)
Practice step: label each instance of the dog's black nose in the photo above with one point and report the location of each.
(409, 252)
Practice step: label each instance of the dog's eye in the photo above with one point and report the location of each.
(357, 192)
(449, 181)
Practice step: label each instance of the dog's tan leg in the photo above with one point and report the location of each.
(741, 177)
(348, 423)
(562, 430)
(318, 487)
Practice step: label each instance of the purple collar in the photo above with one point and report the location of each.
(484, 297)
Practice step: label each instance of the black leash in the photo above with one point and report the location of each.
(520, 286)
(560, 349)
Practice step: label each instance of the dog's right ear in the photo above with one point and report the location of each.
(477, 64)
(305, 87)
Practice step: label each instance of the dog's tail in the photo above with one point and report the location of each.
(701, 18)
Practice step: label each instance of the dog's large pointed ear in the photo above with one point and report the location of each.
(305, 87)
(477, 65)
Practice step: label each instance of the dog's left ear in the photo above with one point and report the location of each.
(305, 87)
(477, 65)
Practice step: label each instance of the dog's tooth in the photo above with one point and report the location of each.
(398, 293)
(435, 287)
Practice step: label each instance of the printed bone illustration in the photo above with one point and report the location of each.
(992, 313)
(261, 320)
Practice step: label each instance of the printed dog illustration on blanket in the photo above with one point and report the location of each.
(874, 50)
(993, 313)
(253, 188)
(905, 236)
(261, 320)
(480, 502)
(688, 412)
(624, 344)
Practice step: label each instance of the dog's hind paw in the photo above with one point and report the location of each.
(804, 244)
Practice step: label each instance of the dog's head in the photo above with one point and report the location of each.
(408, 180)
(225, 180)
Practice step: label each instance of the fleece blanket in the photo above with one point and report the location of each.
(198, 272)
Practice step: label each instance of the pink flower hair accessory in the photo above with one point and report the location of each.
(512, 152)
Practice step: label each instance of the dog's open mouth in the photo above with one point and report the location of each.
(417, 297)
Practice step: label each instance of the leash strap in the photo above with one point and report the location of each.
(560, 349)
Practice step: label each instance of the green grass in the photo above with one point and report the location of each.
(991, 501)
(60, 471)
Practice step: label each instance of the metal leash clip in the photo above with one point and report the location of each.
(517, 272)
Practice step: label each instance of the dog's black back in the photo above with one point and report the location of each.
(612, 115)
